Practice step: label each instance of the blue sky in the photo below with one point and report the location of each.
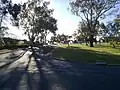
(67, 23)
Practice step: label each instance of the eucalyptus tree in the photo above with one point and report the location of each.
(36, 20)
(91, 11)
(3, 32)
(111, 31)
(7, 8)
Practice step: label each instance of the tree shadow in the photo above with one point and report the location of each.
(84, 76)
(73, 47)
(85, 56)
(73, 76)
(43, 83)
(12, 58)
(56, 82)
(12, 78)
(21, 78)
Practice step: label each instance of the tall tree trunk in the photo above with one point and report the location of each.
(68, 43)
(45, 39)
(31, 46)
(91, 41)
(86, 43)
(31, 43)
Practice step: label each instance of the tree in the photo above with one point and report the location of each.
(61, 38)
(90, 11)
(6, 7)
(3, 31)
(103, 30)
(83, 32)
(53, 39)
(111, 31)
(14, 10)
(117, 22)
(36, 19)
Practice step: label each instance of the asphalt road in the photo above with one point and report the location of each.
(9, 56)
(44, 73)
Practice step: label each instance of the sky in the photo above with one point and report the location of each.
(66, 22)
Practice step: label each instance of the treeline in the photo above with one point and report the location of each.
(33, 16)
(10, 43)
(7, 40)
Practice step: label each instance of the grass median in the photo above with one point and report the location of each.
(85, 54)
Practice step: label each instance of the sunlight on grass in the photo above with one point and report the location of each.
(86, 54)
(103, 48)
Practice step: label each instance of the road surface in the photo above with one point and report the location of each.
(44, 73)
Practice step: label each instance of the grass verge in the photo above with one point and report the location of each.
(86, 54)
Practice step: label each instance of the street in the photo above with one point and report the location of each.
(45, 73)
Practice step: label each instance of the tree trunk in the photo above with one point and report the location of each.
(68, 43)
(31, 44)
(91, 44)
(91, 41)
(86, 44)
(95, 40)
(2, 41)
(113, 45)
(45, 39)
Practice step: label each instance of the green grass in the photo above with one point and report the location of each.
(86, 54)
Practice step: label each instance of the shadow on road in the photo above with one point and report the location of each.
(59, 75)
(14, 58)
(20, 78)
(43, 83)
(75, 76)
(11, 78)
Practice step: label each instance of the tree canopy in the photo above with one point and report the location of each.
(37, 20)
(91, 11)
(7, 8)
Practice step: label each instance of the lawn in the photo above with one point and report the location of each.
(85, 54)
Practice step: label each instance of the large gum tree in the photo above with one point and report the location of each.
(37, 21)
(91, 11)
